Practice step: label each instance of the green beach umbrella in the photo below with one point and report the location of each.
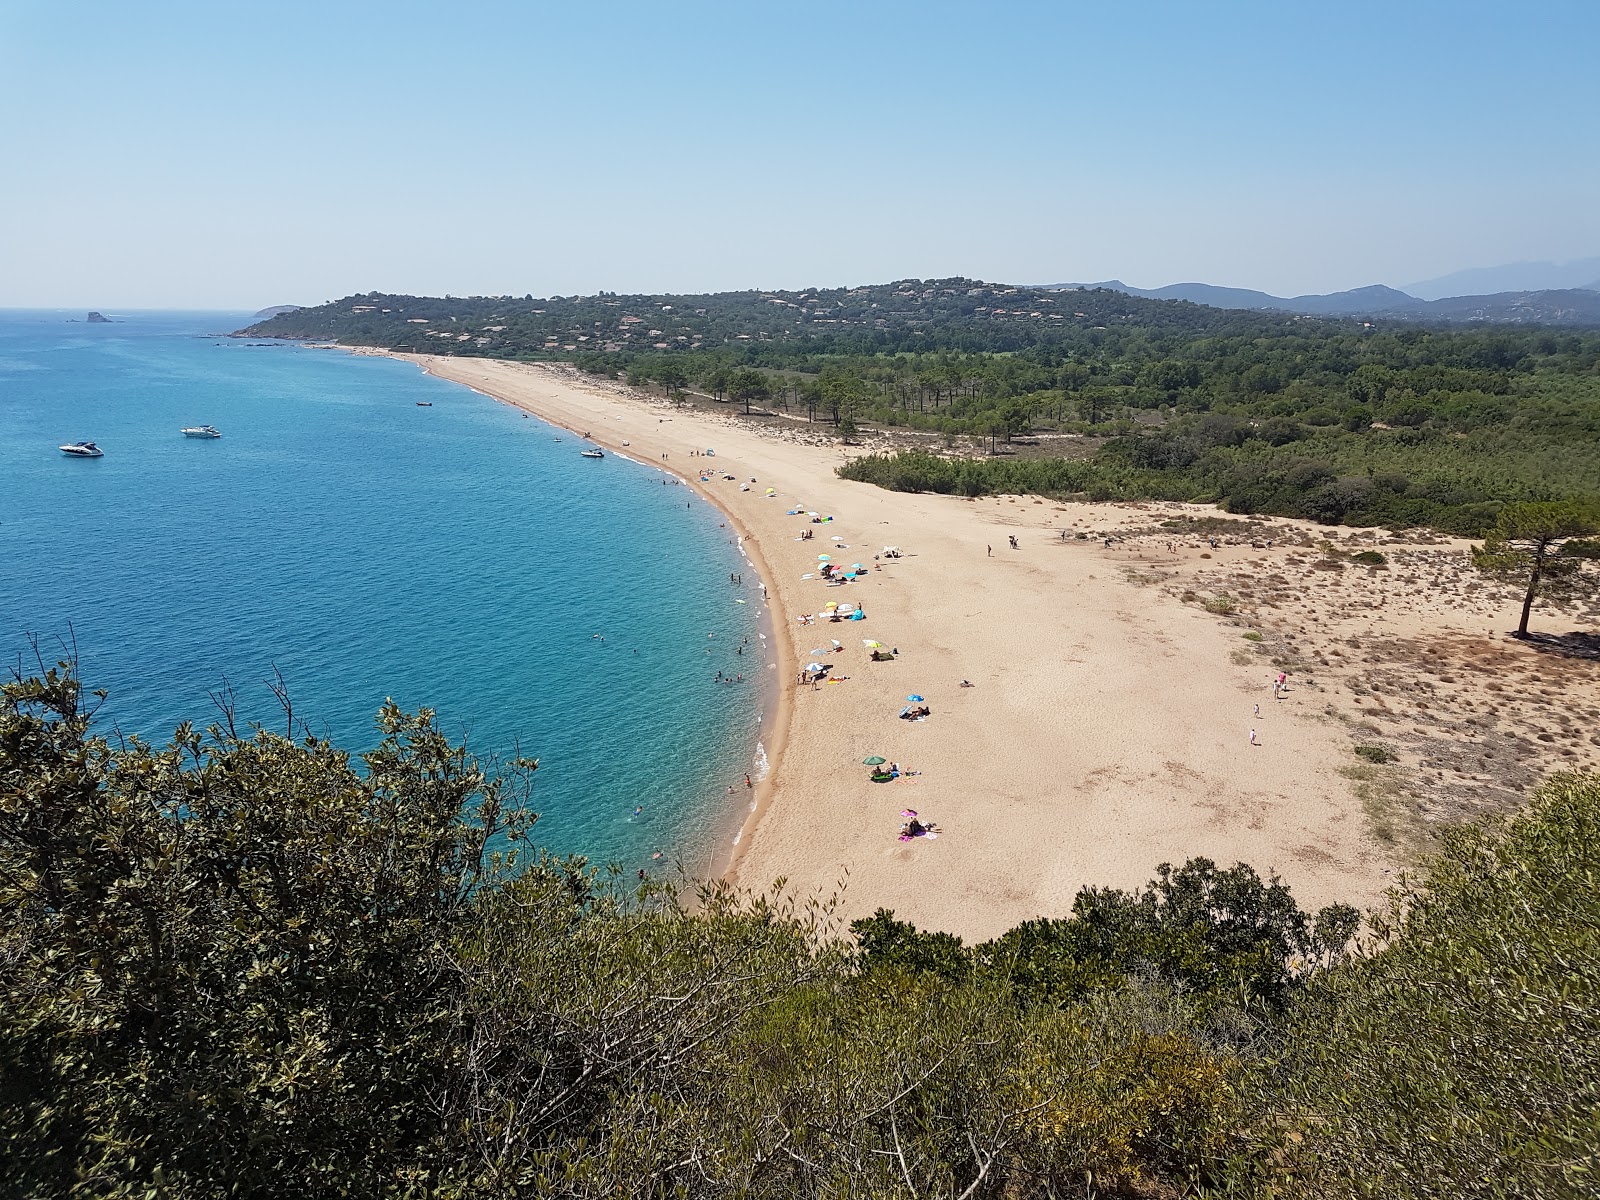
(873, 761)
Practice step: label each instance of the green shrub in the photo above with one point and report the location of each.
(1375, 753)
(1221, 605)
(1370, 557)
(1251, 636)
(1459, 1055)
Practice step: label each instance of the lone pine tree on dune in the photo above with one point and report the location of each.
(1542, 545)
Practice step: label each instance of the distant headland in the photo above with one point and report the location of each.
(278, 310)
(95, 318)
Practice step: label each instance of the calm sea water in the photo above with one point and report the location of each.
(459, 556)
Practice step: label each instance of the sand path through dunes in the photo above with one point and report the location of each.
(1107, 729)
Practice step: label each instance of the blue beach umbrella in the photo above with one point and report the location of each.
(914, 698)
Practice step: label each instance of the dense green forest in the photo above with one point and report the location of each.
(244, 964)
(1089, 393)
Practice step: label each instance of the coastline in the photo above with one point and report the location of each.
(1117, 720)
(1104, 733)
(776, 704)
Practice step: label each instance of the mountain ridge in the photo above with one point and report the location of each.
(1553, 306)
(1578, 273)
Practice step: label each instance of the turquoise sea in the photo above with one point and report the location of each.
(459, 556)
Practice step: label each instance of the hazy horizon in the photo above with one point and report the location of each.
(203, 158)
(1425, 289)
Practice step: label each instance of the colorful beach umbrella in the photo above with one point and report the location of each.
(872, 644)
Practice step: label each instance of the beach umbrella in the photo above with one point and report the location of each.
(857, 567)
(824, 557)
(813, 666)
(874, 645)
(914, 698)
(873, 761)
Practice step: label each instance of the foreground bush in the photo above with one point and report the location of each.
(1460, 1054)
(239, 966)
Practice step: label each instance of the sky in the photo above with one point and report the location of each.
(218, 155)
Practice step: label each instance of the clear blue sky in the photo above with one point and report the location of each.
(166, 153)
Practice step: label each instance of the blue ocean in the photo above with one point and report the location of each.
(457, 556)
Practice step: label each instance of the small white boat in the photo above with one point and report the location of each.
(593, 452)
(201, 431)
(81, 450)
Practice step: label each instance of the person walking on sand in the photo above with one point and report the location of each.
(990, 549)
(1253, 741)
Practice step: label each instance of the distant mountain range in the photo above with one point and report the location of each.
(1552, 306)
(1511, 277)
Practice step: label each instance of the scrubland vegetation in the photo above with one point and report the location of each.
(1117, 397)
(244, 964)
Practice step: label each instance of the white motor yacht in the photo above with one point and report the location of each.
(201, 431)
(593, 452)
(81, 450)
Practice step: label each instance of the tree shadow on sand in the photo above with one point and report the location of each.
(1565, 645)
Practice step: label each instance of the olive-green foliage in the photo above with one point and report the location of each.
(238, 966)
(1459, 1055)
(227, 962)
(1221, 936)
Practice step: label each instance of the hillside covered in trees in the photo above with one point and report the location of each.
(245, 965)
(1121, 397)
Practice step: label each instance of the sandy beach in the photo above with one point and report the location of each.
(1109, 723)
